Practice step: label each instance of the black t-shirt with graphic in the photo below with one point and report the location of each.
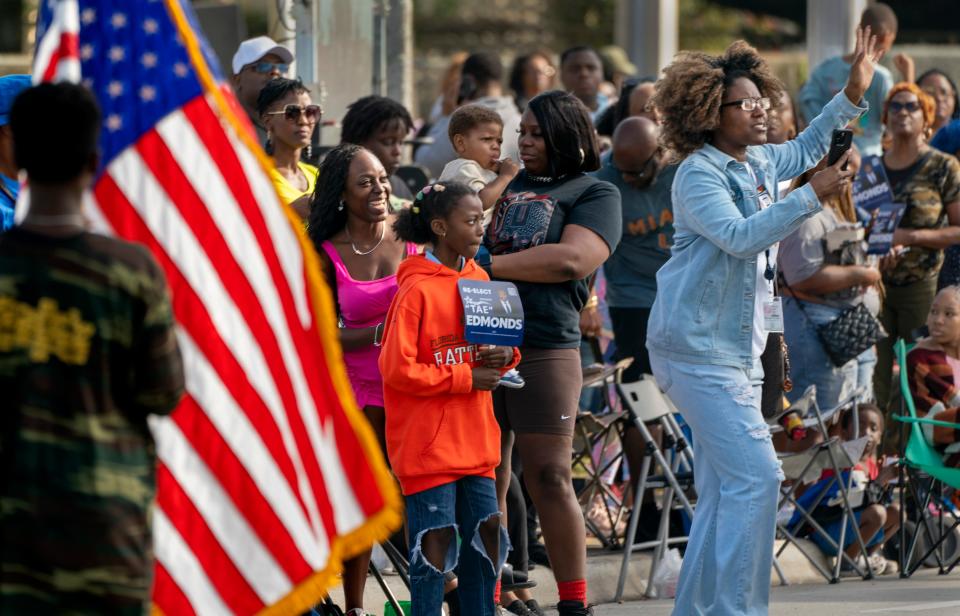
(532, 213)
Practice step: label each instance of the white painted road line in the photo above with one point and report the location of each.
(917, 607)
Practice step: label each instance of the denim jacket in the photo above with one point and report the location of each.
(704, 308)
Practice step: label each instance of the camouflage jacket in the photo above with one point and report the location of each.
(87, 351)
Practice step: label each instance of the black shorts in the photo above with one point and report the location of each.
(549, 401)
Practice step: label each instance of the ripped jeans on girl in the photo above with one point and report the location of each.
(435, 517)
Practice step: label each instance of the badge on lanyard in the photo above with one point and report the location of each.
(765, 199)
(773, 315)
(772, 308)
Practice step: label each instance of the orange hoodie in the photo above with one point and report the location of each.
(439, 429)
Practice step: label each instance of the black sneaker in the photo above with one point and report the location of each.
(573, 608)
(518, 607)
(535, 608)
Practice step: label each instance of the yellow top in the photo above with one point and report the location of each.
(290, 193)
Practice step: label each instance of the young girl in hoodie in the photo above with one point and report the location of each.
(443, 440)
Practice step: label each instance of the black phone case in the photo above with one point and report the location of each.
(839, 146)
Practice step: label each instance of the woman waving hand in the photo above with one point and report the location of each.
(715, 302)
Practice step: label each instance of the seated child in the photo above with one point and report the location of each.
(876, 520)
(442, 438)
(476, 133)
(934, 373)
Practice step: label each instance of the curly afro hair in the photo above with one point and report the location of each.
(691, 90)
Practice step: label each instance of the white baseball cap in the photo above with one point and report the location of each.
(254, 49)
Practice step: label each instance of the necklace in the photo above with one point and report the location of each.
(359, 252)
(543, 179)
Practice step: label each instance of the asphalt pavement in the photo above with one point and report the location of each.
(924, 593)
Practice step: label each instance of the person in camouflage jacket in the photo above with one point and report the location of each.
(87, 352)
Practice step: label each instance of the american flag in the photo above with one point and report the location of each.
(268, 475)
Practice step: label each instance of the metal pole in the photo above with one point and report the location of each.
(831, 28)
(381, 11)
(648, 31)
(632, 527)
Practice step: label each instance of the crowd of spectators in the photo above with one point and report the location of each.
(584, 184)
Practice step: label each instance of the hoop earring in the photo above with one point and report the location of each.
(341, 206)
(582, 156)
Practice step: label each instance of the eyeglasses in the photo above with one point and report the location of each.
(749, 104)
(269, 67)
(292, 112)
(546, 71)
(647, 166)
(896, 107)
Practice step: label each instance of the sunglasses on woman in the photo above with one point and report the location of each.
(292, 112)
(896, 107)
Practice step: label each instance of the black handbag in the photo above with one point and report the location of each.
(854, 331)
(850, 334)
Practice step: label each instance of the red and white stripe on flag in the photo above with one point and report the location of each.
(268, 474)
(58, 52)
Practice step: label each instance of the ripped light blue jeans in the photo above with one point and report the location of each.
(812, 365)
(463, 506)
(726, 568)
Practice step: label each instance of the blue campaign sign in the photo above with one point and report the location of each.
(886, 220)
(871, 188)
(492, 312)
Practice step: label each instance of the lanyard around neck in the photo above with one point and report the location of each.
(768, 273)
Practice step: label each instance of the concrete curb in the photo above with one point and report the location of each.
(603, 571)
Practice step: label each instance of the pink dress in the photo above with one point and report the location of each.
(363, 303)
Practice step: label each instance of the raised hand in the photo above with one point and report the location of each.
(865, 58)
(906, 66)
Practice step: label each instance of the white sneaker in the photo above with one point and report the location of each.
(878, 563)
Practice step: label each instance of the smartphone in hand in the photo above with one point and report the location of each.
(840, 142)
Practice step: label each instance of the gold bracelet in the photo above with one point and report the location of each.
(593, 302)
